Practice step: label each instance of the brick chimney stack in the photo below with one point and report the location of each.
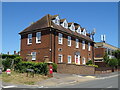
(8, 53)
(14, 52)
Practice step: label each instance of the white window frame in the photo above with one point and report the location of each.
(83, 45)
(77, 43)
(60, 38)
(89, 47)
(69, 40)
(38, 38)
(33, 54)
(60, 61)
(69, 58)
(83, 60)
(29, 37)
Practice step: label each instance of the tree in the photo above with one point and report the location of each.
(117, 55)
(106, 58)
(112, 63)
(89, 62)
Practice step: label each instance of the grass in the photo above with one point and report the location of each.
(20, 78)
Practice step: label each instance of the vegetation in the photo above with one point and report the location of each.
(20, 78)
(90, 63)
(106, 58)
(113, 63)
(117, 56)
(15, 63)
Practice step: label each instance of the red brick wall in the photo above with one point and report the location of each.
(76, 69)
(99, 52)
(41, 49)
(49, 40)
(66, 50)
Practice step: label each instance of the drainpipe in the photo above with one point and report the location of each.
(50, 44)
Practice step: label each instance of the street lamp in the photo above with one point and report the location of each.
(93, 33)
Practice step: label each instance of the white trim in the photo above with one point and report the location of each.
(38, 33)
(89, 47)
(33, 55)
(83, 45)
(29, 37)
(77, 43)
(60, 38)
(83, 60)
(69, 57)
(60, 61)
(69, 40)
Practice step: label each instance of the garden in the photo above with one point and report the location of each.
(19, 73)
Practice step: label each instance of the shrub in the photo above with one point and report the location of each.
(93, 65)
(54, 67)
(39, 68)
(89, 62)
(7, 63)
(4, 56)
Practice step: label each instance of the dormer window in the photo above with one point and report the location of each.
(84, 32)
(79, 30)
(72, 27)
(64, 23)
(56, 20)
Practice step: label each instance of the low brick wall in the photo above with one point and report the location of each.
(102, 70)
(75, 69)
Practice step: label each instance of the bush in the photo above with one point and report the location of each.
(39, 68)
(54, 67)
(4, 56)
(89, 62)
(7, 63)
(93, 65)
(113, 62)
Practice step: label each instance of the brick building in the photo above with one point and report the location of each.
(100, 49)
(56, 40)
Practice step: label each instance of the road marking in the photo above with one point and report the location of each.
(9, 86)
(41, 87)
(109, 87)
(90, 76)
(109, 76)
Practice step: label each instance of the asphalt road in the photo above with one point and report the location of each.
(103, 82)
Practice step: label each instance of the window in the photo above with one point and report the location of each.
(83, 44)
(60, 38)
(89, 47)
(77, 43)
(69, 59)
(69, 41)
(33, 55)
(83, 61)
(60, 58)
(29, 38)
(38, 37)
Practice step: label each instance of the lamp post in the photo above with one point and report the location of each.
(92, 34)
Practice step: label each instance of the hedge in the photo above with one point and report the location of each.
(39, 68)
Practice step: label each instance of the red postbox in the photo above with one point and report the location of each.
(50, 69)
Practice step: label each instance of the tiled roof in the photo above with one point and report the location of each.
(46, 21)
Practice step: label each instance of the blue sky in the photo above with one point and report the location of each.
(17, 16)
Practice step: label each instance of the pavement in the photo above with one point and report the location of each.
(61, 80)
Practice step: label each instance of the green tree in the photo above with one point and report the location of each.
(89, 62)
(112, 63)
(106, 58)
(117, 55)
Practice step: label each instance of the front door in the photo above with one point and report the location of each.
(77, 59)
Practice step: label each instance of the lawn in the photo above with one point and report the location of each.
(21, 78)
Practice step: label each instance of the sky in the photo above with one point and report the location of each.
(16, 16)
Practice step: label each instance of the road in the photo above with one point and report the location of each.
(103, 82)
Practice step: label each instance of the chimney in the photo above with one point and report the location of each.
(18, 53)
(14, 52)
(8, 53)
